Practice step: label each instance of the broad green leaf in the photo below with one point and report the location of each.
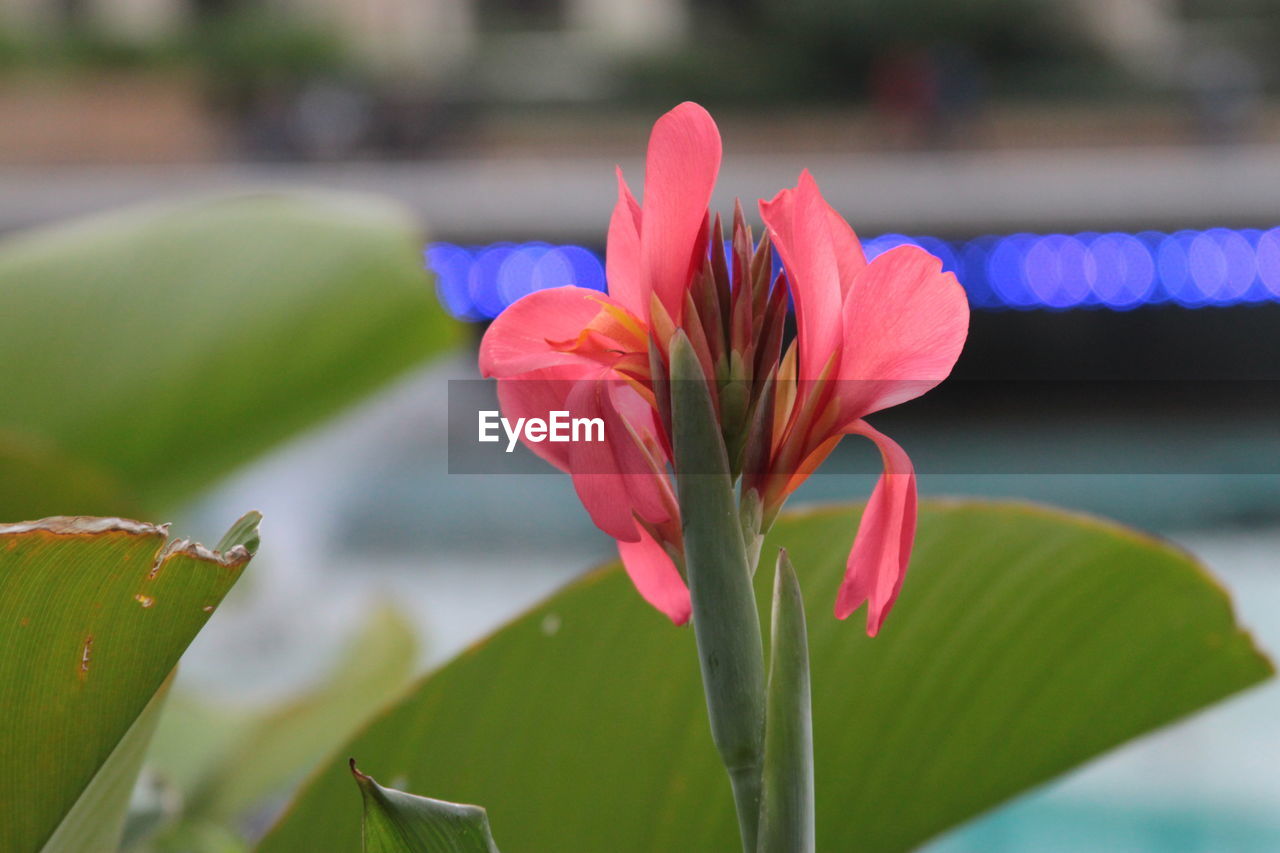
(155, 349)
(36, 479)
(1025, 642)
(199, 838)
(277, 750)
(97, 820)
(94, 614)
(396, 822)
(195, 734)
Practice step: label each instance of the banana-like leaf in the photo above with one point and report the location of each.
(97, 820)
(396, 822)
(1025, 642)
(94, 614)
(148, 352)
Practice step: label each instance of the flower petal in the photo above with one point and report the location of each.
(680, 172)
(622, 256)
(656, 577)
(535, 395)
(848, 248)
(881, 550)
(518, 340)
(905, 322)
(800, 223)
(616, 479)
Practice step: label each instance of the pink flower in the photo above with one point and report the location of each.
(574, 349)
(869, 336)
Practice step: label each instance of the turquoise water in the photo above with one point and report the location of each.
(1046, 823)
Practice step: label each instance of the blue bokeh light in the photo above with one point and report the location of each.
(1113, 271)
(478, 282)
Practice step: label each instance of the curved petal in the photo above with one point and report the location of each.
(622, 255)
(881, 550)
(616, 479)
(848, 248)
(905, 322)
(535, 395)
(680, 172)
(800, 224)
(518, 340)
(656, 577)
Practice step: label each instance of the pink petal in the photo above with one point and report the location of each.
(622, 256)
(800, 223)
(905, 322)
(534, 395)
(848, 248)
(680, 172)
(517, 341)
(656, 577)
(881, 550)
(615, 479)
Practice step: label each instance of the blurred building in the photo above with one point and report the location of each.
(415, 37)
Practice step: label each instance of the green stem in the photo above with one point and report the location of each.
(746, 799)
(726, 622)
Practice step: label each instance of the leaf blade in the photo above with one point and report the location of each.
(614, 695)
(94, 614)
(396, 822)
(97, 820)
(157, 348)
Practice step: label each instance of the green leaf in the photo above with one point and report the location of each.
(94, 614)
(1025, 642)
(97, 820)
(36, 479)
(786, 806)
(198, 838)
(278, 749)
(149, 352)
(726, 622)
(195, 734)
(396, 822)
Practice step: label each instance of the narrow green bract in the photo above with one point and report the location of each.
(786, 808)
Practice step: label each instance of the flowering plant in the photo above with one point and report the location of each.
(1027, 641)
(684, 362)
(870, 336)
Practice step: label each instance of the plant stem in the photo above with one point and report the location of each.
(746, 798)
(726, 622)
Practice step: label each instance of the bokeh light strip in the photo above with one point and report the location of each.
(1114, 270)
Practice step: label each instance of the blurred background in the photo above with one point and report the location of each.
(1101, 174)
